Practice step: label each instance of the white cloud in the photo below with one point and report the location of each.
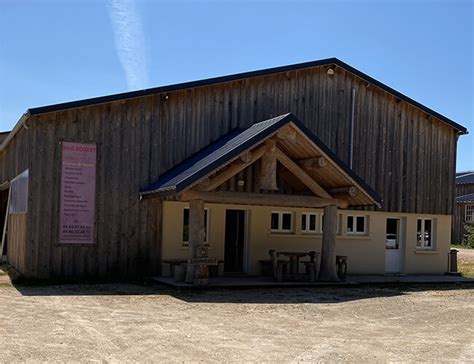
(129, 42)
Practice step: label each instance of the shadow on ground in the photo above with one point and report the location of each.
(246, 296)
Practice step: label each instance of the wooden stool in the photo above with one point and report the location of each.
(341, 265)
(279, 266)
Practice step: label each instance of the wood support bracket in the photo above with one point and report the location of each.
(234, 168)
(304, 177)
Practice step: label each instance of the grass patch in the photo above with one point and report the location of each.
(466, 269)
(459, 246)
(2, 273)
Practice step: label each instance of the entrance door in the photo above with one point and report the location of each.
(234, 241)
(393, 246)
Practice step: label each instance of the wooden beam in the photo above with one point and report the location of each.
(233, 169)
(350, 191)
(262, 199)
(313, 163)
(327, 271)
(288, 134)
(268, 177)
(246, 157)
(5, 226)
(301, 175)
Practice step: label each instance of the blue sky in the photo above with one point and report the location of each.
(55, 51)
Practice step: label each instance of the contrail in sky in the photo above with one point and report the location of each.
(129, 42)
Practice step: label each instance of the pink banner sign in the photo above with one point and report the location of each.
(77, 196)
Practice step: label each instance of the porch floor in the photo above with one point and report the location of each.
(351, 280)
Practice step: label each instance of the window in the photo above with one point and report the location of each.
(308, 222)
(424, 234)
(282, 221)
(356, 224)
(469, 215)
(186, 226)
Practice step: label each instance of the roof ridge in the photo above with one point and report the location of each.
(239, 76)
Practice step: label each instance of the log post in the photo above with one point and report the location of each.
(327, 271)
(196, 235)
(268, 175)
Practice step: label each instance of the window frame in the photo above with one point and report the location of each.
(206, 236)
(280, 222)
(354, 220)
(432, 235)
(471, 213)
(307, 218)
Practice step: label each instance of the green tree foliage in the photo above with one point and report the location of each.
(468, 240)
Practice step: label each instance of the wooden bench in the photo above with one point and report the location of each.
(311, 266)
(213, 270)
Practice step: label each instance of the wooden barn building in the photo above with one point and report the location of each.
(225, 170)
(464, 205)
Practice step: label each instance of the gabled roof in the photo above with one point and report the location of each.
(465, 198)
(239, 76)
(465, 179)
(229, 147)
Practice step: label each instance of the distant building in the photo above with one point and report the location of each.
(228, 168)
(464, 206)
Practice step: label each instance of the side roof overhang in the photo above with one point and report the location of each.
(219, 154)
(465, 198)
(465, 179)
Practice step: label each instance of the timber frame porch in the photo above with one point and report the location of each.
(278, 163)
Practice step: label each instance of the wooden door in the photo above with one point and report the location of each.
(234, 241)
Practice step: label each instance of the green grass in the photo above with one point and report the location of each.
(466, 269)
(459, 246)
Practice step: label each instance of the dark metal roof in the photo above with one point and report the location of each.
(229, 147)
(465, 198)
(465, 179)
(239, 76)
(459, 174)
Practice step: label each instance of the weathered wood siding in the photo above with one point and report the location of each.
(15, 158)
(408, 157)
(459, 212)
(464, 189)
(17, 242)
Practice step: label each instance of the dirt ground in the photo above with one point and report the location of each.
(466, 256)
(133, 323)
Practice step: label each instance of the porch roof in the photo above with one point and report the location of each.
(225, 150)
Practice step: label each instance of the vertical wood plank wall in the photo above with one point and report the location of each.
(17, 242)
(459, 212)
(14, 160)
(405, 155)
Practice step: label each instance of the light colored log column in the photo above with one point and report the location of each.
(196, 234)
(327, 271)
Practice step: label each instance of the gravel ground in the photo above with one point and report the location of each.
(132, 323)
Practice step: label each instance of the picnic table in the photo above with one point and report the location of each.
(279, 266)
(294, 258)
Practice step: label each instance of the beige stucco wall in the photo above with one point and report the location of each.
(366, 254)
